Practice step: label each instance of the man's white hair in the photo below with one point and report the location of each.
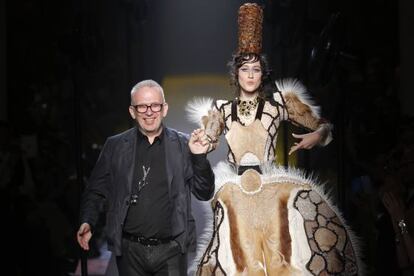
(147, 83)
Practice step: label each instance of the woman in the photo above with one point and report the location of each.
(268, 220)
(251, 110)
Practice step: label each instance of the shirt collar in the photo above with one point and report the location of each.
(160, 138)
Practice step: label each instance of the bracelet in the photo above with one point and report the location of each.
(403, 226)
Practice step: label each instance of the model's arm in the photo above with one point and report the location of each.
(302, 112)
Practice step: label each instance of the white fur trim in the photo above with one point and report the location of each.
(197, 108)
(301, 251)
(225, 172)
(225, 250)
(206, 233)
(294, 86)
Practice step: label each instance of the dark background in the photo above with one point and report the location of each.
(67, 68)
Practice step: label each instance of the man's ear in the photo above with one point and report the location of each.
(165, 110)
(132, 112)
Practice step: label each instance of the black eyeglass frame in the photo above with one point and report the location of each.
(150, 106)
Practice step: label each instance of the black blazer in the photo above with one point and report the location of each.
(109, 186)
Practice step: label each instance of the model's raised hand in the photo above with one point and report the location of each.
(308, 141)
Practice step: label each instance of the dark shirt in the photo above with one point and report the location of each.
(151, 215)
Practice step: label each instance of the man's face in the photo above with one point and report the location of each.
(250, 77)
(149, 121)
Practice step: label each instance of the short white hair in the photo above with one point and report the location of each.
(148, 83)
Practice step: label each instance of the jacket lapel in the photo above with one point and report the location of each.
(128, 157)
(170, 154)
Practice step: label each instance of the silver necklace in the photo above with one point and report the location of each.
(141, 184)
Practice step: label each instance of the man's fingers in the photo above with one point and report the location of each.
(199, 136)
(84, 235)
(201, 131)
(84, 228)
(83, 241)
(84, 245)
(197, 131)
(205, 139)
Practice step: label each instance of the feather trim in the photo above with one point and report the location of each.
(225, 172)
(295, 87)
(197, 108)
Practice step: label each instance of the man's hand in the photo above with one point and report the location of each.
(198, 142)
(309, 140)
(84, 235)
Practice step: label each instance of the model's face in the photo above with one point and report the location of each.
(250, 78)
(149, 119)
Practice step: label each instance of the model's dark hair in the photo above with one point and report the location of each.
(238, 60)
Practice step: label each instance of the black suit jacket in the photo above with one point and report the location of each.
(110, 183)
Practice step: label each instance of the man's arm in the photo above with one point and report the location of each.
(96, 191)
(202, 180)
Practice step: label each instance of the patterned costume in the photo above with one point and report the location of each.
(277, 222)
(269, 220)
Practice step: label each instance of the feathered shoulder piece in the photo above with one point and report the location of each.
(293, 90)
(202, 112)
(197, 108)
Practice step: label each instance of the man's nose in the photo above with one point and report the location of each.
(149, 111)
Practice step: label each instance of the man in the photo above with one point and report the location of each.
(144, 177)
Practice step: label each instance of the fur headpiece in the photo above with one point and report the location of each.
(250, 28)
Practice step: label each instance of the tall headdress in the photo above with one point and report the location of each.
(250, 22)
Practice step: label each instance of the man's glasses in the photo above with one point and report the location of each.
(142, 108)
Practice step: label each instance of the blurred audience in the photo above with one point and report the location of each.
(382, 196)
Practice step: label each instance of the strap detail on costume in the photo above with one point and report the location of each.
(234, 110)
(259, 111)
